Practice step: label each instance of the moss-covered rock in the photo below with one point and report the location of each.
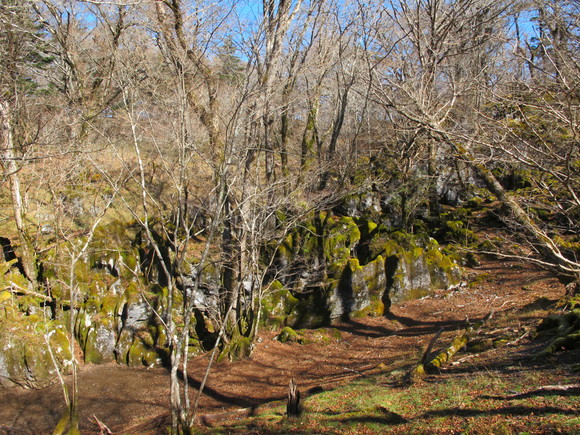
(142, 351)
(32, 346)
(32, 350)
(358, 288)
(277, 304)
(416, 266)
(238, 348)
(288, 335)
(340, 238)
(311, 310)
(362, 261)
(100, 342)
(563, 329)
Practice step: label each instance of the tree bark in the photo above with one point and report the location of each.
(293, 406)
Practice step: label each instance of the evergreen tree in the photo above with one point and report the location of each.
(230, 65)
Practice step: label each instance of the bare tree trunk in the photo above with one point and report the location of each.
(336, 129)
(11, 169)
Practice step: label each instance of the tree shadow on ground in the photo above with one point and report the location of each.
(239, 401)
(373, 420)
(542, 303)
(362, 330)
(416, 327)
(574, 391)
(387, 418)
(507, 411)
(519, 360)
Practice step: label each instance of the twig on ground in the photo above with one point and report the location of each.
(104, 430)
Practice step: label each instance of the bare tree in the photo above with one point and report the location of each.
(22, 48)
(422, 67)
(534, 125)
(435, 88)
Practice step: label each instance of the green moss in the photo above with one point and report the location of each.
(142, 351)
(288, 335)
(370, 227)
(456, 231)
(130, 261)
(5, 296)
(111, 304)
(100, 340)
(237, 349)
(457, 214)
(277, 304)
(573, 302)
(475, 203)
(354, 265)
(402, 238)
(339, 239)
(375, 309)
(310, 312)
(478, 280)
(160, 334)
(417, 293)
(286, 248)
(350, 228)
(27, 343)
(391, 247)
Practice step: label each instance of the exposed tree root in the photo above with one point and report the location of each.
(565, 328)
(459, 342)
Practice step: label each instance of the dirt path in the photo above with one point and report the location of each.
(123, 397)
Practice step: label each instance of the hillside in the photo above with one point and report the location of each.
(344, 194)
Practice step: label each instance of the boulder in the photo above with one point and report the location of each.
(32, 351)
(366, 268)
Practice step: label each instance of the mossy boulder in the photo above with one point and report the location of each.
(288, 335)
(143, 351)
(122, 261)
(311, 311)
(113, 318)
(323, 241)
(416, 267)
(341, 236)
(121, 328)
(359, 288)
(238, 348)
(114, 322)
(366, 268)
(32, 350)
(358, 291)
(277, 304)
(413, 264)
(100, 342)
(369, 281)
(32, 346)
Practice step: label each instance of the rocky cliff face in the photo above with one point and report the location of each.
(328, 268)
(360, 269)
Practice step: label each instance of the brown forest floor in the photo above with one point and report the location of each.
(137, 398)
